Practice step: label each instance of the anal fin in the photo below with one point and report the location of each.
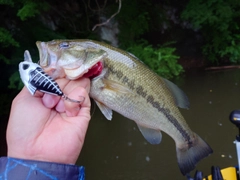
(153, 136)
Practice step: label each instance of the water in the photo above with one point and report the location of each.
(116, 150)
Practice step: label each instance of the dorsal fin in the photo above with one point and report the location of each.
(180, 97)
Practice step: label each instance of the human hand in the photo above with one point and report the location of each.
(48, 128)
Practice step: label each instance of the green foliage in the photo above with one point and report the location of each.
(6, 38)
(7, 2)
(31, 9)
(15, 82)
(218, 20)
(162, 60)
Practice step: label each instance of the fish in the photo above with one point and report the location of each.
(121, 82)
(34, 78)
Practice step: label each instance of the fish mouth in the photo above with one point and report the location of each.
(48, 61)
(84, 71)
(94, 71)
(42, 48)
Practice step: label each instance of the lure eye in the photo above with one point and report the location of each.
(64, 45)
(25, 66)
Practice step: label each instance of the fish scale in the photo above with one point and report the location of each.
(130, 88)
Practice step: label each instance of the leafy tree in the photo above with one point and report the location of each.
(218, 20)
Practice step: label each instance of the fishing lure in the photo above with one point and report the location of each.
(34, 78)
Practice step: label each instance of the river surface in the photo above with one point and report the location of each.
(116, 150)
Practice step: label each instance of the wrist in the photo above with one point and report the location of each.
(49, 157)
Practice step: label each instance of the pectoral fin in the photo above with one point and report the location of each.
(153, 136)
(180, 97)
(107, 112)
(115, 86)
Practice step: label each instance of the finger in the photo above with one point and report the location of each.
(60, 106)
(85, 108)
(83, 82)
(78, 94)
(49, 100)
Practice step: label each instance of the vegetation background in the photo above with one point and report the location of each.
(169, 36)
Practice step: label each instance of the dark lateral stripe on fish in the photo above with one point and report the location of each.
(140, 90)
(119, 75)
(172, 119)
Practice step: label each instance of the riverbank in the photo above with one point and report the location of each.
(200, 64)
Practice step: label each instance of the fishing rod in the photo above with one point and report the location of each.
(235, 119)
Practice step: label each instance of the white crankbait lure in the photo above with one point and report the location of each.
(34, 78)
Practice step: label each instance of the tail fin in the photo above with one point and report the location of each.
(188, 158)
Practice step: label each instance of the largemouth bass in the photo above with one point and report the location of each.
(121, 82)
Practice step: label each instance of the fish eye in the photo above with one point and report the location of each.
(64, 45)
(25, 66)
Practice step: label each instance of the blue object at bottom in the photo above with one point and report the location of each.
(13, 168)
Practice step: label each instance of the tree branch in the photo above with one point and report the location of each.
(101, 24)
